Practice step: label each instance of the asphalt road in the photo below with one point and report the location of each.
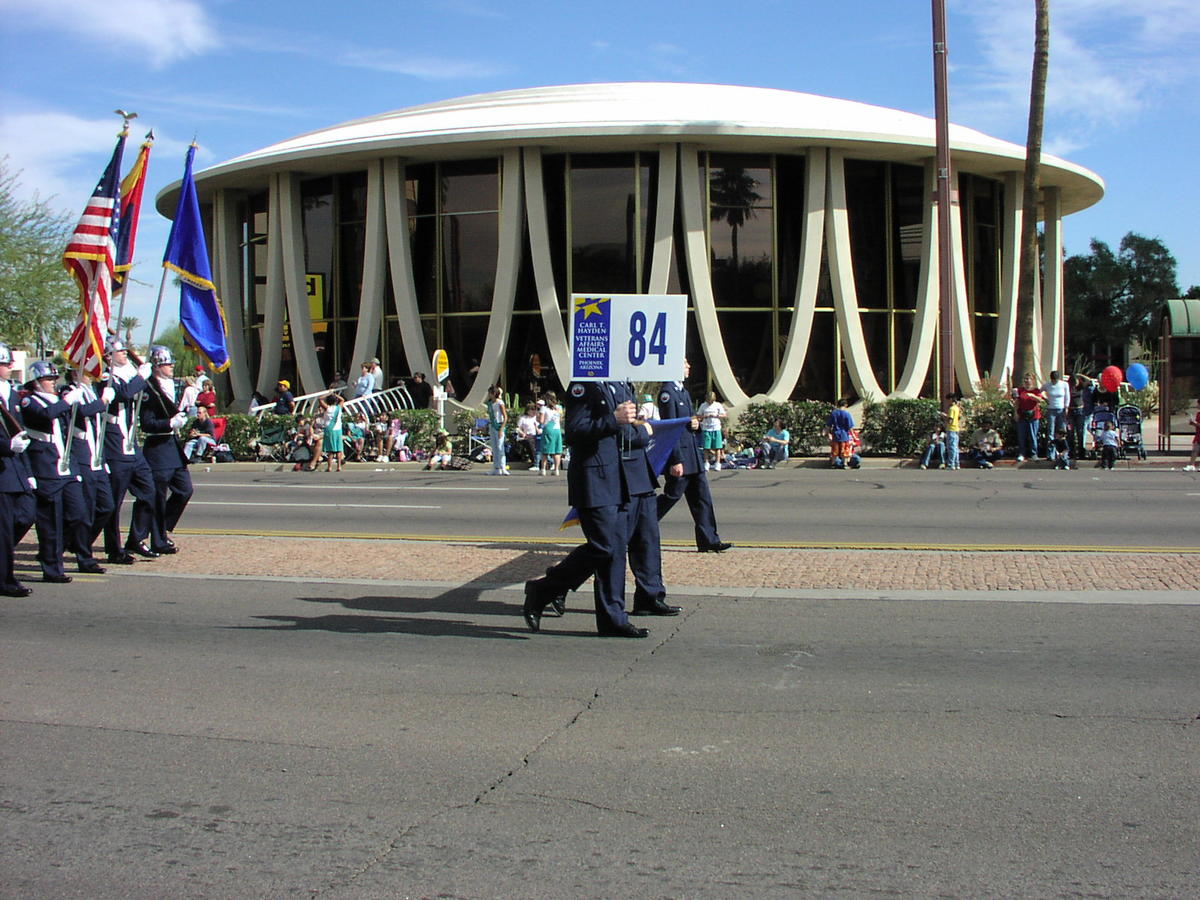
(1031, 508)
(187, 737)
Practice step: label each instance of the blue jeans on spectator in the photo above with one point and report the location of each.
(934, 447)
(1056, 421)
(951, 449)
(1027, 435)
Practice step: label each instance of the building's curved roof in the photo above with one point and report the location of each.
(639, 114)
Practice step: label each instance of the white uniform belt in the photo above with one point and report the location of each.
(39, 435)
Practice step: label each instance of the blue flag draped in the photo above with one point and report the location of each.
(200, 313)
(667, 433)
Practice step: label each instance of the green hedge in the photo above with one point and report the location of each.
(898, 426)
(804, 420)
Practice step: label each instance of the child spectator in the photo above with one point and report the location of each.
(1110, 441)
(953, 416)
(443, 452)
(1062, 450)
(527, 432)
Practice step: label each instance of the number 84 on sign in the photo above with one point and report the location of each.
(628, 337)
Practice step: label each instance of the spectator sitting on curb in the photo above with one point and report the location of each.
(1062, 450)
(936, 445)
(443, 452)
(775, 446)
(986, 445)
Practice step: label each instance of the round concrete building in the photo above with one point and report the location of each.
(802, 229)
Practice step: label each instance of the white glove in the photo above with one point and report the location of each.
(18, 442)
(74, 395)
(33, 482)
(144, 370)
(108, 395)
(178, 421)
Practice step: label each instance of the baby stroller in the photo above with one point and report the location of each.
(1129, 424)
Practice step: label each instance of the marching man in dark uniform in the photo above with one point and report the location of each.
(160, 418)
(87, 459)
(685, 468)
(127, 469)
(611, 485)
(16, 491)
(59, 496)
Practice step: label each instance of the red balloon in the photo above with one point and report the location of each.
(1111, 378)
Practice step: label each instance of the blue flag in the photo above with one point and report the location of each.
(200, 313)
(667, 433)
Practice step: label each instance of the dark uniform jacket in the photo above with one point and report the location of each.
(674, 403)
(120, 442)
(598, 475)
(46, 422)
(162, 448)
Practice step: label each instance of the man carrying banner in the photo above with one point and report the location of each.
(611, 484)
(127, 468)
(685, 468)
(160, 418)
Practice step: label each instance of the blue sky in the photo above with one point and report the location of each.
(1123, 98)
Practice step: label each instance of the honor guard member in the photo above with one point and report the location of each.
(58, 495)
(685, 468)
(611, 484)
(127, 469)
(87, 459)
(16, 494)
(160, 418)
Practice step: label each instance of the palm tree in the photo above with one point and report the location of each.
(1025, 351)
(130, 324)
(732, 197)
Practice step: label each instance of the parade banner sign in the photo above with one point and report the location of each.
(628, 337)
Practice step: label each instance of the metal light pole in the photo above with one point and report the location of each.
(945, 208)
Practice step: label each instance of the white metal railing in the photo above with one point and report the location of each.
(373, 404)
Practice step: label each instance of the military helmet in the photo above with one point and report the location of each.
(39, 370)
(6, 357)
(113, 344)
(161, 356)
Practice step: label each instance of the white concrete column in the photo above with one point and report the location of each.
(925, 318)
(272, 330)
(543, 265)
(697, 254)
(399, 251)
(1052, 301)
(508, 264)
(804, 302)
(374, 276)
(227, 274)
(966, 369)
(845, 293)
(664, 220)
(292, 235)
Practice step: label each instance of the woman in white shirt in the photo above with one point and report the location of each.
(712, 414)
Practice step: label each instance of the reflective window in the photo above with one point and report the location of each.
(604, 222)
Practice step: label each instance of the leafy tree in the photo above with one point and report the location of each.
(1192, 293)
(1112, 298)
(38, 297)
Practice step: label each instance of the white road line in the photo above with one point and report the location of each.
(346, 487)
(309, 505)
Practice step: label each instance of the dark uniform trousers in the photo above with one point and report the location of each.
(609, 462)
(16, 500)
(674, 403)
(98, 509)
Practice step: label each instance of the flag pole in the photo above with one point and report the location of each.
(135, 213)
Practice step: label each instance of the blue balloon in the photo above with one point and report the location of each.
(1138, 376)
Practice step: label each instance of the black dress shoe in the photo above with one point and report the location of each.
(627, 631)
(57, 579)
(719, 547)
(141, 550)
(15, 590)
(92, 568)
(657, 608)
(166, 549)
(121, 559)
(533, 606)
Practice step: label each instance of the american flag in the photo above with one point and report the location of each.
(90, 257)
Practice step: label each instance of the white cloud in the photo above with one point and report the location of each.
(163, 30)
(429, 68)
(1109, 60)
